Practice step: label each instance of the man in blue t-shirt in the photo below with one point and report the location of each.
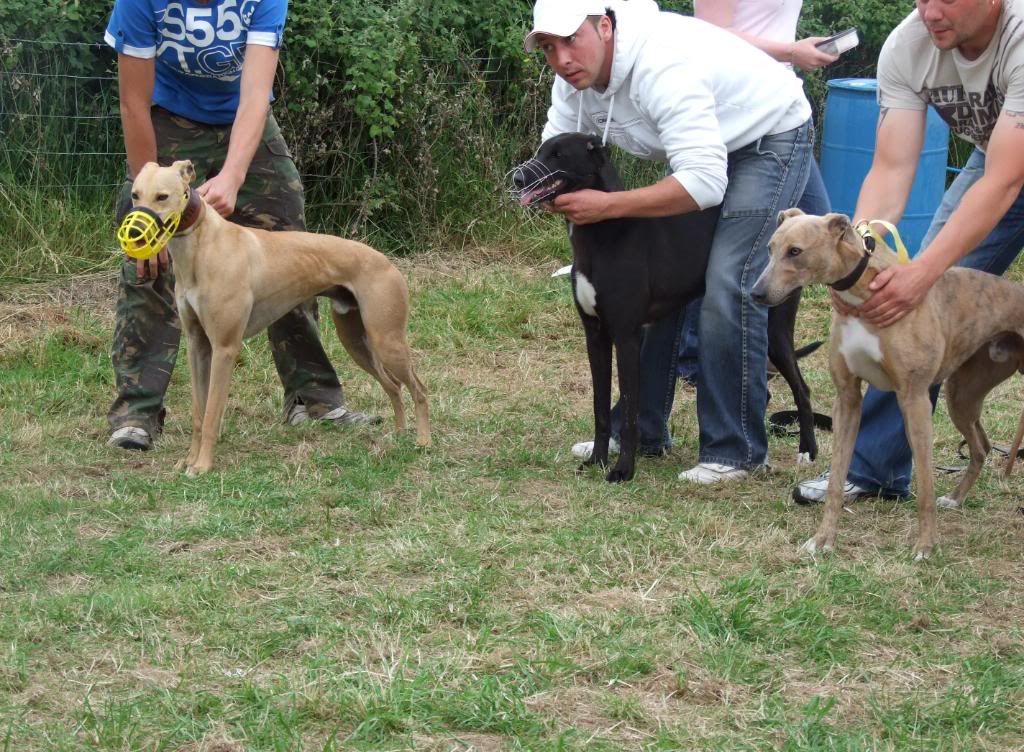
(195, 79)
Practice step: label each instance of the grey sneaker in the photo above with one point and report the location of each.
(131, 437)
(814, 491)
(340, 415)
(297, 415)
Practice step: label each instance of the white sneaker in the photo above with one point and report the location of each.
(584, 449)
(130, 437)
(813, 491)
(711, 472)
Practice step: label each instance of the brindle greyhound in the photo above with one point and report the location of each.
(946, 337)
(231, 282)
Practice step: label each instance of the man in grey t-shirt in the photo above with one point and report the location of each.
(965, 58)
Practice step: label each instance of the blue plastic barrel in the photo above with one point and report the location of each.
(848, 145)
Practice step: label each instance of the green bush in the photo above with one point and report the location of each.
(403, 115)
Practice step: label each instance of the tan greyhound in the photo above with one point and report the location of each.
(963, 311)
(231, 282)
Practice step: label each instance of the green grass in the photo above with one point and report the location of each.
(330, 589)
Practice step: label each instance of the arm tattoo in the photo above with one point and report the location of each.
(1016, 115)
(881, 117)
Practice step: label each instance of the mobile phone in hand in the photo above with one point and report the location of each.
(839, 43)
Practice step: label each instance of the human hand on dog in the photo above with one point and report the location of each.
(896, 291)
(221, 193)
(582, 207)
(841, 306)
(155, 265)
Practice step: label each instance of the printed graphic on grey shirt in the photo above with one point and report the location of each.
(972, 115)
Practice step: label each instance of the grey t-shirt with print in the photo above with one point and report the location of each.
(968, 94)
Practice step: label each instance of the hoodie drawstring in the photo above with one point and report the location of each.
(607, 122)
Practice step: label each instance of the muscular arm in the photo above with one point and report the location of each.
(664, 198)
(135, 78)
(898, 290)
(221, 192)
(985, 202)
(884, 192)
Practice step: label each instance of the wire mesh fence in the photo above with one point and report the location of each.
(59, 131)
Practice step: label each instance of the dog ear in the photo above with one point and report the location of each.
(596, 152)
(787, 213)
(186, 170)
(838, 224)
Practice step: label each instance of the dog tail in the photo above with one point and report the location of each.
(806, 350)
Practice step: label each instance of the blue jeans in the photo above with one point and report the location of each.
(764, 177)
(814, 200)
(882, 459)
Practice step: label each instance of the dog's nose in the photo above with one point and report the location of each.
(519, 178)
(759, 296)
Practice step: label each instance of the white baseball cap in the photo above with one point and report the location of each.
(561, 18)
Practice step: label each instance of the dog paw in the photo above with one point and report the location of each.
(813, 547)
(619, 475)
(804, 458)
(196, 470)
(923, 550)
(947, 502)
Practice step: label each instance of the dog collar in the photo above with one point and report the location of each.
(190, 214)
(853, 277)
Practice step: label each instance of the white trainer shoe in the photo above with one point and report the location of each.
(130, 437)
(706, 473)
(814, 491)
(584, 449)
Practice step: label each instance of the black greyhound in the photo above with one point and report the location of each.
(640, 270)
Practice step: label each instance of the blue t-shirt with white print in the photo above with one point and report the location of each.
(199, 47)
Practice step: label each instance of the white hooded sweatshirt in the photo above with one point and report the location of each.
(682, 91)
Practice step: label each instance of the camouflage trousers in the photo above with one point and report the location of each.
(147, 331)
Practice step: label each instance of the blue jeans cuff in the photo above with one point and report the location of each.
(872, 485)
(704, 459)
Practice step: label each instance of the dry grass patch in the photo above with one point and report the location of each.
(325, 584)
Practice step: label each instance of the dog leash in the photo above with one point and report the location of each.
(865, 229)
(870, 240)
(1003, 450)
(780, 423)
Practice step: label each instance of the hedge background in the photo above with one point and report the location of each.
(403, 115)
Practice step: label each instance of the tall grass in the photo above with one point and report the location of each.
(438, 184)
(60, 163)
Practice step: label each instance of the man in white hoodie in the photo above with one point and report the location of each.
(734, 128)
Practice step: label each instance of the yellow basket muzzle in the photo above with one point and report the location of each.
(143, 234)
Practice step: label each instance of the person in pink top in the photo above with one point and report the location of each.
(769, 25)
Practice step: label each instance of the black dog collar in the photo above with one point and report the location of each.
(858, 271)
